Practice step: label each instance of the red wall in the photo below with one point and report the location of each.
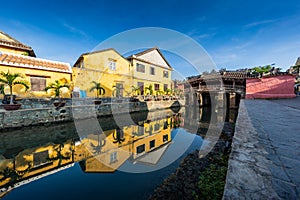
(270, 87)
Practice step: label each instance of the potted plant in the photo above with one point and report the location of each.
(117, 92)
(12, 80)
(135, 92)
(56, 87)
(149, 96)
(167, 92)
(99, 91)
(159, 94)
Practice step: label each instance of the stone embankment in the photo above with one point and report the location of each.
(183, 184)
(41, 111)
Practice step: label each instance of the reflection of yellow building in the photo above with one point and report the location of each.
(35, 161)
(107, 67)
(16, 57)
(104, 152)
(132, 141)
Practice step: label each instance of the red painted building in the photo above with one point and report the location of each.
(280, 86)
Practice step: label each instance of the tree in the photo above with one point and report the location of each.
(136, 90)
(56, 87)
(117, 90)
(97, 86)
(262, 69)
(118, 136)
(168, 91)
(2, 91)
(150, 89)
(12, 80)
(159, 92)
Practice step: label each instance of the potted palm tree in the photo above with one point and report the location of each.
(99, 91)
(159, 94)
(167, 92)
(149, 95)
(117, 92)
(135, 92)
(56, 87)
(12, 80)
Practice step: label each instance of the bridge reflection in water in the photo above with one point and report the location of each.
(33, 153)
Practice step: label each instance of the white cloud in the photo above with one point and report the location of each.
(72, 29)
(257, 23)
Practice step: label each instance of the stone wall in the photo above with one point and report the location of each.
(41, 111)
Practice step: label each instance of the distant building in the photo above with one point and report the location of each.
(16, 57)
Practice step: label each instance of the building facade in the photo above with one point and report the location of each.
(16, 57)
(118, 75)
(150, 68)
(106, 67)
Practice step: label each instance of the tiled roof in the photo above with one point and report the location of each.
(235, 75)
(16, 60)
(13, 43)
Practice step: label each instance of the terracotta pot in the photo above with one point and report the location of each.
(97, 102)
(59, 104)
(11, 106)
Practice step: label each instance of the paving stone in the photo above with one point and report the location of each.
(284, 189)
(275, 125)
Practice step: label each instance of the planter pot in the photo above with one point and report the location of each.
(59, 104)
(97, 102)
(11, 106)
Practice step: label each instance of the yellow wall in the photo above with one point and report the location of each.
(26, 72)
(96, 68)
(16, 51)
(149, 79)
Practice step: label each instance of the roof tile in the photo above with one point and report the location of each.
(32, 62)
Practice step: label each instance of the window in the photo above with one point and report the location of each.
(40, 158)
(141, 86)
(166, 74)
(156, 86)
(152, 70)
(140, 149)
(165, 138)
(113, 157)
(37, 83)
(140, 68)
(165, 87)
(152, 144)
(156, 127)
(112, 65)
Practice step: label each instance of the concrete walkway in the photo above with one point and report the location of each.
(265, 151)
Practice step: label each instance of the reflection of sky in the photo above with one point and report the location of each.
(182, 143)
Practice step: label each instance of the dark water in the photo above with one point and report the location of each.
(59, 161)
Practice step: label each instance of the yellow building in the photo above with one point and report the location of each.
(9, 44)
(16, 57)
(110, 69)
(105, 66)
(150, 67)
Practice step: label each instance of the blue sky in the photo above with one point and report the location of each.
(236, 34)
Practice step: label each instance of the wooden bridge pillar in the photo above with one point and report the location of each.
(232, 100)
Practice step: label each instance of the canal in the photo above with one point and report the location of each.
(125, 156)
